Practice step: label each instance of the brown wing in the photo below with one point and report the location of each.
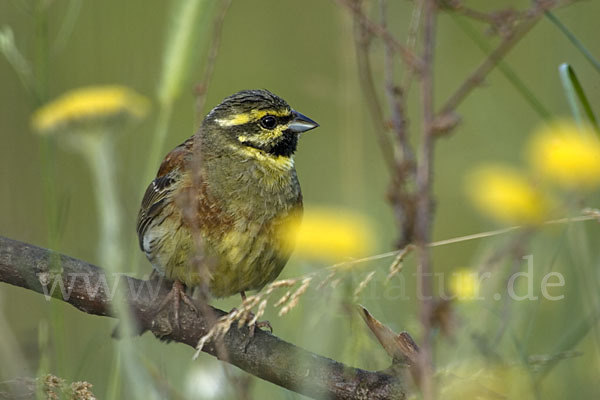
(160, 191)
(176, 157)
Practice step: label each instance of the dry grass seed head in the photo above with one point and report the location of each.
(219, 329)
(363, 284)
(327, 279)
(51, 384)
(281, 283)
(81, 391)
(283, 299)
(259, 313)
(398, 262)
(296, 296)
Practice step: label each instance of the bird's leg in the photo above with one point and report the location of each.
(259, 324)
(176, 295)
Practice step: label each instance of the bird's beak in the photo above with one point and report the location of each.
(301, 123)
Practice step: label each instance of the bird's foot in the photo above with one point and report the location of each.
(252, 328)
(251, 317)
(176, 296)
(260, 325)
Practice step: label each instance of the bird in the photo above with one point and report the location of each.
(218, 213)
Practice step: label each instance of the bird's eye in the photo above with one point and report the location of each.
(268, 122)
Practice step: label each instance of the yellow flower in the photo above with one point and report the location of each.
(507, 196)
(464, 284)
(567, 154)
(333, 235)
(89, 105)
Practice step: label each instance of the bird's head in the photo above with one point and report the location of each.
(257, 121)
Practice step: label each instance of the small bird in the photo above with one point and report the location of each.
(217, 213)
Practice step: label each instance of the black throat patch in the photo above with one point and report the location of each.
(285, 145)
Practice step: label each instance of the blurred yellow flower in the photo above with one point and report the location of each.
(333, 235)
(507, 196)
(566, 154)
(89, 104)
(464, 284)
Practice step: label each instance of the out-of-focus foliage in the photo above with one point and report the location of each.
(485, 382)
(304, 51)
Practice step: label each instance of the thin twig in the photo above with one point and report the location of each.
(399, 195)
(477, 76)
(424, 200)
(213, 51)
(362, 40)
(465, 238)
(375, 29)
(473, 14)
(411, 44)
(395, 97)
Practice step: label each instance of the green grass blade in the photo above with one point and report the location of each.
(188, 23)
(16, 60)
(575, 95)
(68, 26)
(564, 70)
(185, 41)
(506, 70)
(573, 39)
(574, 335)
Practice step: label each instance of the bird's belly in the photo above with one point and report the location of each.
(247, 260)
(230, 262)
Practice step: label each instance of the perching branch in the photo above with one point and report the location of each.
(266, 356)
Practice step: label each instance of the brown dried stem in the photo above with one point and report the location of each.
(213, 51)
(424, 200)
(362, 40)
(530, 18)
(404, 161)
(375, 29)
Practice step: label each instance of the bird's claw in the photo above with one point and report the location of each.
(177, 295)
(260, 325)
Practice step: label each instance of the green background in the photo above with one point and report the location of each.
(303, 51)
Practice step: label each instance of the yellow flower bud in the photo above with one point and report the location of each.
(464, 284)
(90, 105)
(507, 195)
(333, 235)
(566, 154)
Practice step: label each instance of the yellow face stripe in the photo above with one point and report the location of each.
(254, 115)
(264, 137)
(278, 162)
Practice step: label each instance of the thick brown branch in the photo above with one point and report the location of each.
(84, 286)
